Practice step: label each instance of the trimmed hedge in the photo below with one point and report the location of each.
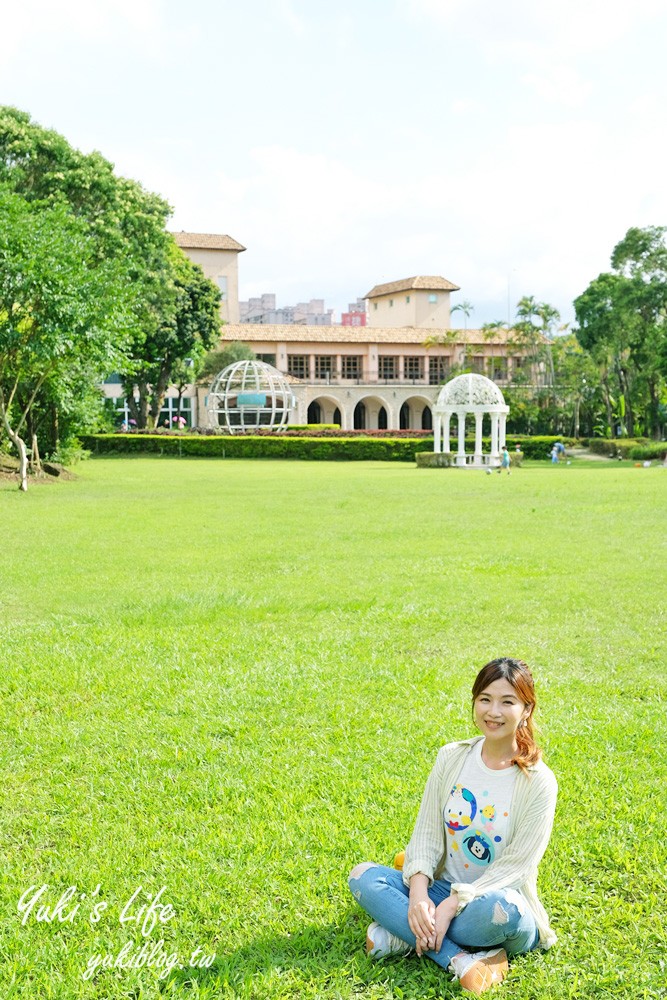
(251, 446)
(320, 448)
(638, 449)
(538, 447)
(433, 460)
(657, 449)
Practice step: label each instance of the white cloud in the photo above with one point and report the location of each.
(287, 13)
(560, 85)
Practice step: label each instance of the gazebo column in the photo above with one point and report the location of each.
(461, 454)
(437, 434)
(478, 438)
(446, 443)
(494, 436)
(503, 425)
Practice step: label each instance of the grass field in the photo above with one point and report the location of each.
(231, 679)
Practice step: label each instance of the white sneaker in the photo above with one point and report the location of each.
(380, 942)
(480, 970)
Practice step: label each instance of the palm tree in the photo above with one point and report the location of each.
(447, 339)
(489, 331)
(466, 308)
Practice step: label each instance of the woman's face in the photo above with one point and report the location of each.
(499, 710)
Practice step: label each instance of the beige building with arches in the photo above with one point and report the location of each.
(385, 374)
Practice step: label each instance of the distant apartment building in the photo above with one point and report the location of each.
(355, 315)
(263, 310)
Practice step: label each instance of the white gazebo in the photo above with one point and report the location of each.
(477, 395)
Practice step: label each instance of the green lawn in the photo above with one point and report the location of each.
(231, 679)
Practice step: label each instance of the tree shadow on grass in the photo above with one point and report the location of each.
(317, 955)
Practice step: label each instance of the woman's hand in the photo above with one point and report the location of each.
(444, 914)
(421, 917)
(421, 914)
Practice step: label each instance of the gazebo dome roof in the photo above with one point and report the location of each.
(470, 391)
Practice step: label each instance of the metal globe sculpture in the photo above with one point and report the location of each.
(247, 395)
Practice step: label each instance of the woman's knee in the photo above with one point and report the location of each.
(359, 870)
(505, 913)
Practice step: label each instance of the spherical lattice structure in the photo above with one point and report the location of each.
(247, 395)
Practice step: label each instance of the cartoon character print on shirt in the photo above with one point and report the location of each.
(460, 809)
(477, 847)
(476, 843)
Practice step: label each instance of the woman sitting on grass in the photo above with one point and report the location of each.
(467, 897)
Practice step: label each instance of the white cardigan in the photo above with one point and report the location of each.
(531, 821)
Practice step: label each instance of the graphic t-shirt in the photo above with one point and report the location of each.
(476, 817)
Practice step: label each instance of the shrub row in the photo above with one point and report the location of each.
(251, 446)
(537, 447)
(638, 449)
(344, 447)
(654, 449)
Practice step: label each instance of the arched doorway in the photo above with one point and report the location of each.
(360, 417)
(324, 410)
(404, 418)
(382, 419)
(427, 419)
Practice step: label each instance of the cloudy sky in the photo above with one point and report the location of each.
(505, 144)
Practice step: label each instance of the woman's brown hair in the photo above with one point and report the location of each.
(519, 676)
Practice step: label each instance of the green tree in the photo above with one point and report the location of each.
(190, 326)
(61, 309)
(622, 323)
(120, 216)
(215, 361)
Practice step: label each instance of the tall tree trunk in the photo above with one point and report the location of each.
(607, 403)
(159, 392)
(56, 427)
(655, 416)
(35, 461)
(18, 443)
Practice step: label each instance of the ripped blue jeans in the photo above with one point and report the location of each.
(496, 919)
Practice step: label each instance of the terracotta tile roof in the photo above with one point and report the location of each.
(206, 241)
(430, 283)
(295, 333)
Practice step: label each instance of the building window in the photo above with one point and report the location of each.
(476, 364)
(352, 365)
(407, 298)
(324, 365)
(222, 285)
(375, 305)
(432, 297)
(438, 370)
(268, 359)
(413, 367)
(391, 302)
(498, 369)
(387, 367)
(170, 412)
(297, 365)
